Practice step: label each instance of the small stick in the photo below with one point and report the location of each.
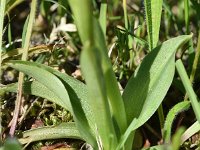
(21, 75)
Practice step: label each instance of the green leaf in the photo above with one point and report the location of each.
(178, 108)
(63, 130)
(25, 31)
(148, 86)
(128, 132)
(12, 144)
(193, 129)
(188, 87)
(33, 88)
(153, 11)
(77, 90)
(77, 93)
(83, 18)
(38, 89)
(47, 79)
(102, 17)
(176, 139)
(92, 71)
(85, 21)
(12, 4)
(112, 89)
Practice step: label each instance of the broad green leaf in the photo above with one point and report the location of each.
(77, 90)
(63, 130)
(83, 17)
(33, 88)
(112, 89)
(153, 11)
(148, 86)
(77, 94)
(47, 79)
(38, 89)
(92, 71)
(180, 107)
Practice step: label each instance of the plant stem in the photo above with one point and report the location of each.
(195, 63)
(186, 5)
(161, 117)
(2, 10)
(21, 75)
(102, 17)
(125, 14)
(196, 59)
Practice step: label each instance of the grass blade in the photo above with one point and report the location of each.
(2, 10)
(102, 17)
(193, 129)
(83, 18)
(112, 89)
(186, 6)
(176, 139)
(24, 57)
(12, 4)
(153, 11)
(98, 99)
(148, 86)
(125, 136)
(187, 84)
(180, 107)
(63, 130)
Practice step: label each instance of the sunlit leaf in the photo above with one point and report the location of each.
(148, 86)
(74, 102)
(63, 130)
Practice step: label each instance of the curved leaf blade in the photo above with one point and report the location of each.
(193, 129)
(180, 107)
(33, 88)
(77, 98)
(153, 11)
(47, 79)
(188, 87)
(98, 101)
(90, 31)
(148, 86)
(63, 130)
(76, 89)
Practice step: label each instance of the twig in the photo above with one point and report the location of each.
(21, 75)
(2, 9)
